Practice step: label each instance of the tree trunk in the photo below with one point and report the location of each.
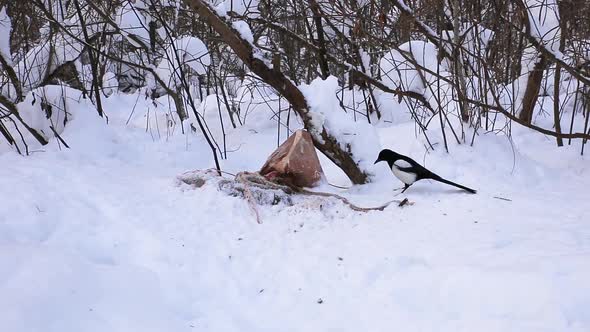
(531, 94)
(556, 104)
(458, 64)
(317, 18)
(323, 141)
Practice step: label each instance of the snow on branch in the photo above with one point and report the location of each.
(542, 30)
(190, 51)
(6, 58)
(347, 66)
(238, 7)
(431, 35)
(246, 51)
(5, 27)
(133, 26)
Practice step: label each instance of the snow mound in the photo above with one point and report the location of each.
(359, 138)
(50, 106)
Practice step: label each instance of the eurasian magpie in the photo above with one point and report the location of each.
(408, 171)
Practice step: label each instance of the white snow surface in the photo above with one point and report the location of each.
(50, 106)
(100, 237)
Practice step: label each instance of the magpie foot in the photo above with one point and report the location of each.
(405, 188)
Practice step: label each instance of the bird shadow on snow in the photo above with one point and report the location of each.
(431, 188)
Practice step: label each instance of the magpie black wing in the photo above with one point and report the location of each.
(407, 164)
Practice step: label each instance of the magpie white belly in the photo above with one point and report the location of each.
(405, 177)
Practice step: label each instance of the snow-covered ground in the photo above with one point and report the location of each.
(100, 237)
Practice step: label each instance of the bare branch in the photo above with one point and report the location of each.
(325, 142)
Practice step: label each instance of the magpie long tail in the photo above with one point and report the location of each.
(439, 179)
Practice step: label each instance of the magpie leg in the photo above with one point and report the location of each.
(405, 188)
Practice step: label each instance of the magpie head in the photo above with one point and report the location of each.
(386, 155)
